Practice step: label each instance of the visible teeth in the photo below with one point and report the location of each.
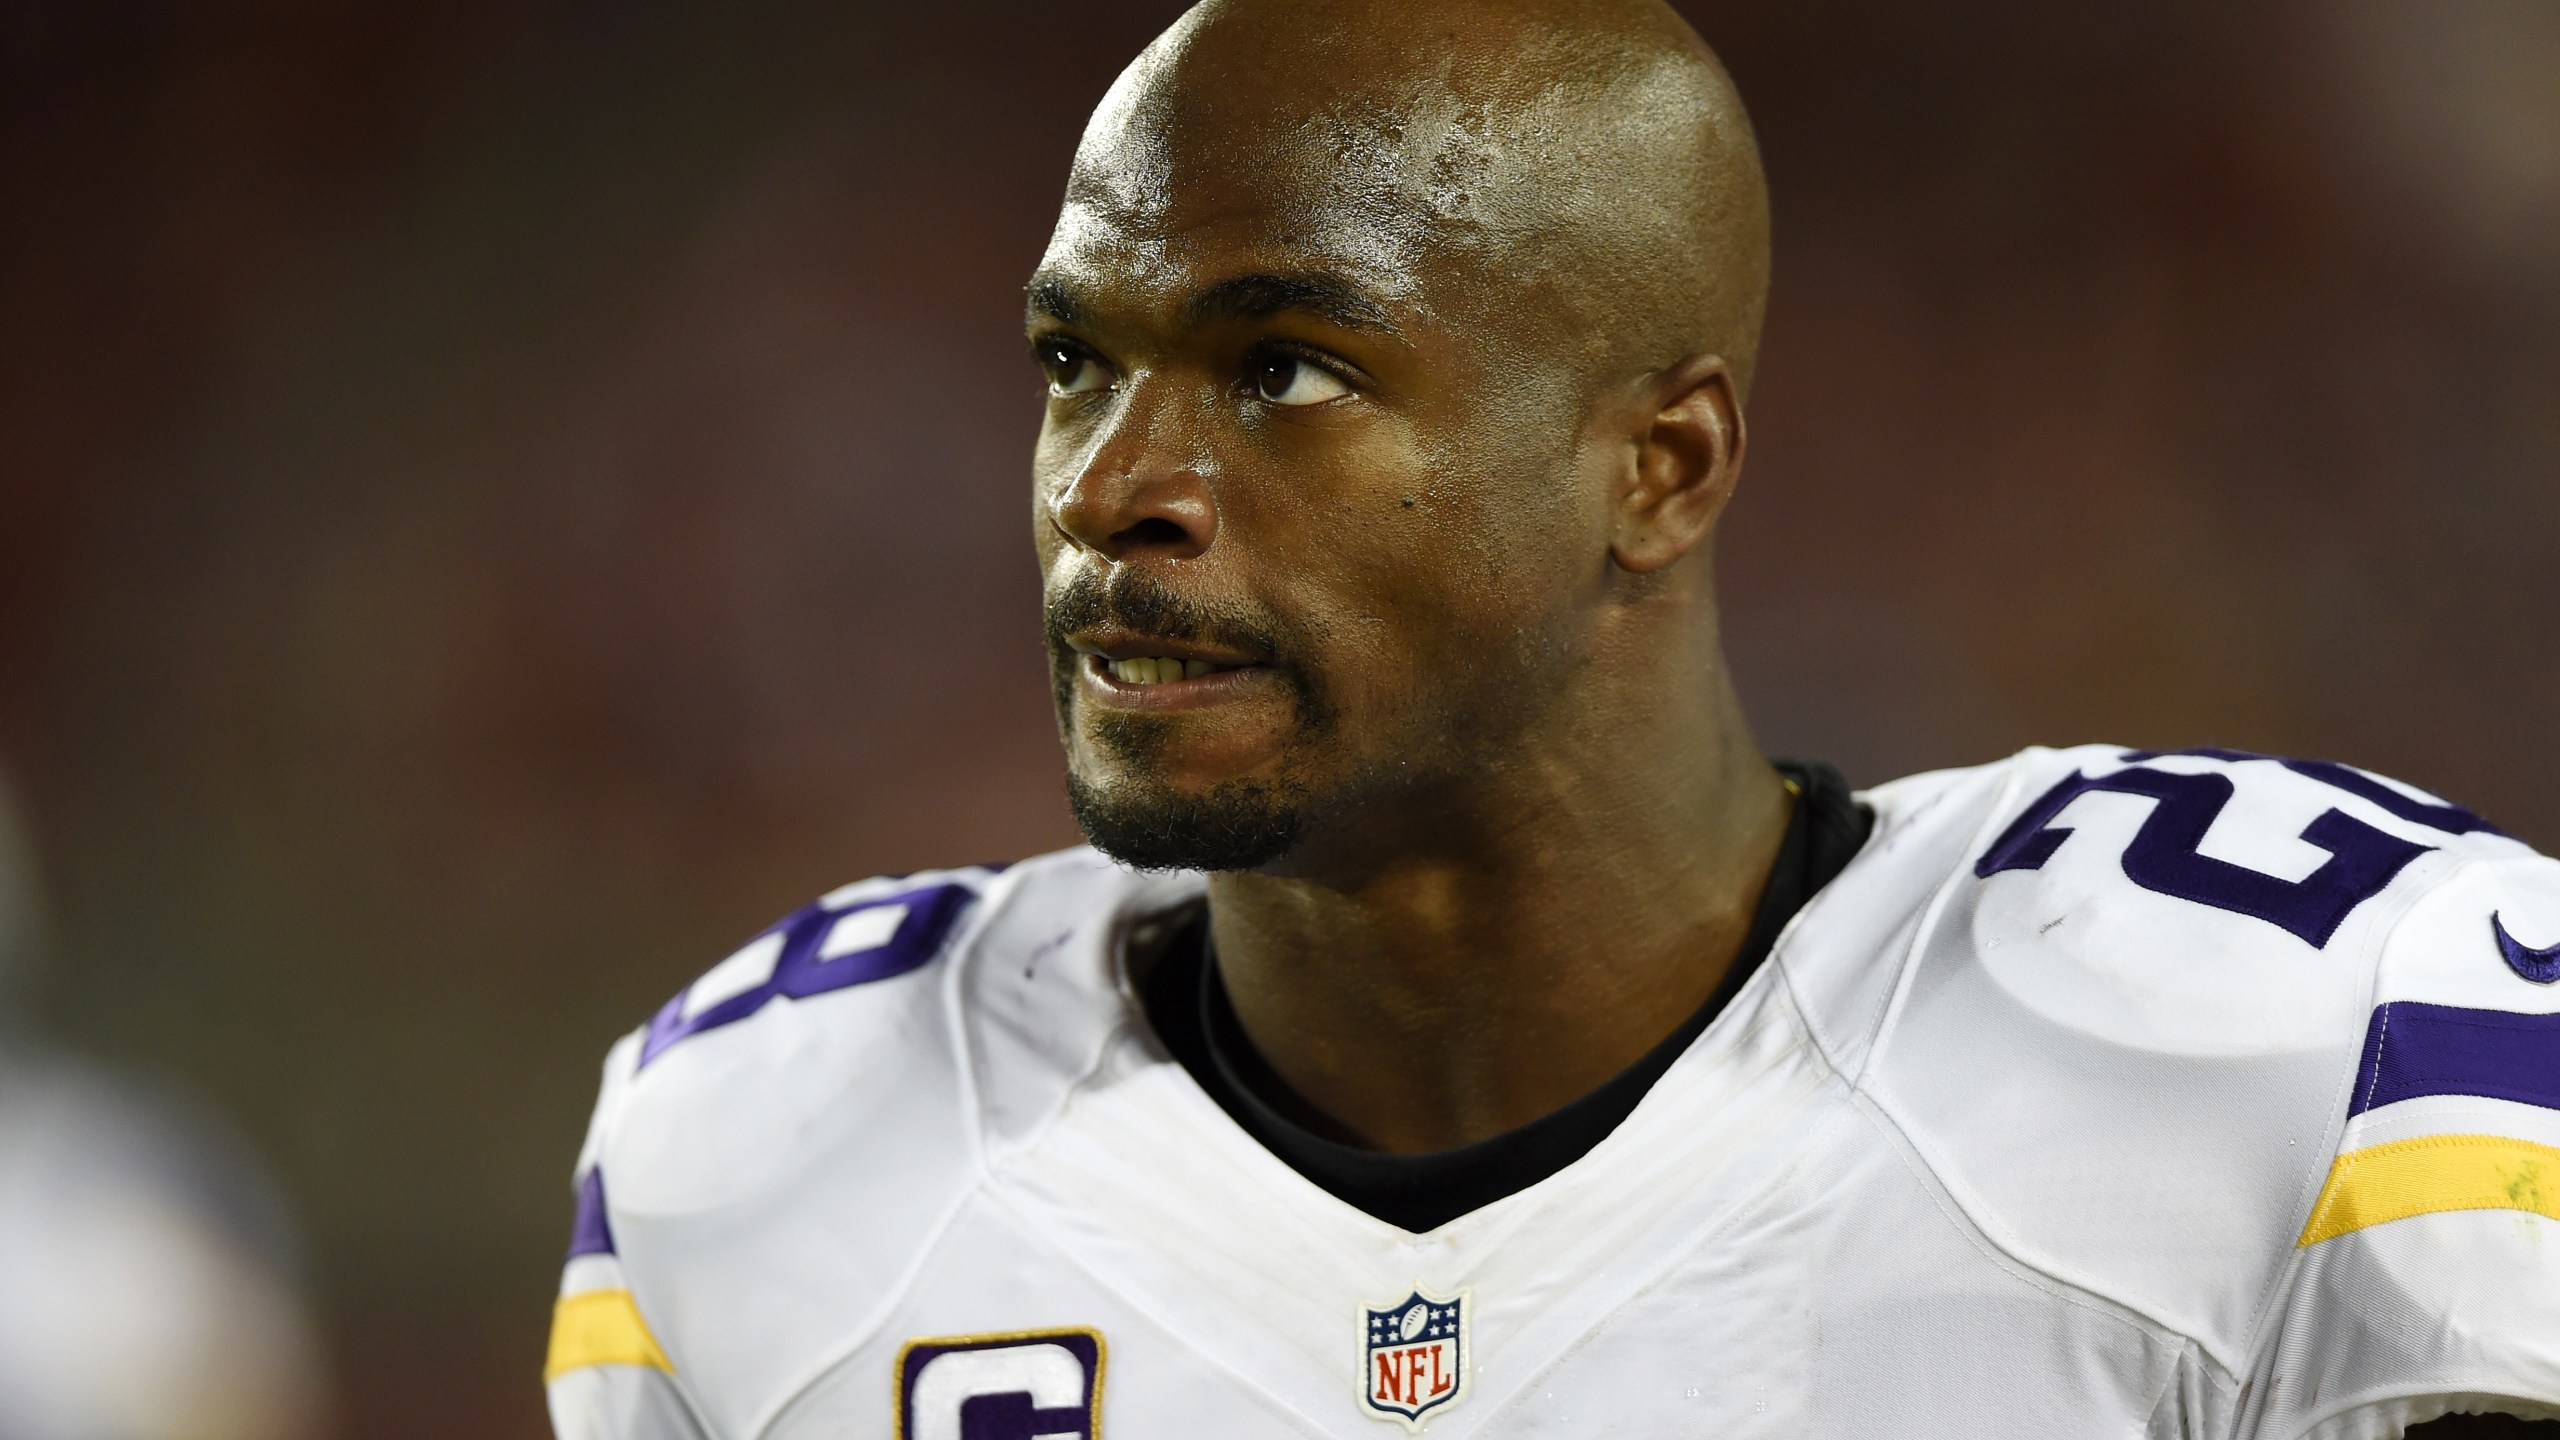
(1150, 670)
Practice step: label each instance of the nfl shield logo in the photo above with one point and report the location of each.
(1413, 1356)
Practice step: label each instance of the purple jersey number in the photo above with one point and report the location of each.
(2163, 857)
(814, 951)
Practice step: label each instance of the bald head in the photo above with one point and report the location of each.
(1578, 174)
(1394, 350)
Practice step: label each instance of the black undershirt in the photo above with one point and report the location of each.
(1187, 1004)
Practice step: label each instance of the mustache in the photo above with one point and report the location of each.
(1133, 602)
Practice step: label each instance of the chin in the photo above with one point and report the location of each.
(1229, 825)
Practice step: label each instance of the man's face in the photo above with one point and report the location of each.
(1315, 527)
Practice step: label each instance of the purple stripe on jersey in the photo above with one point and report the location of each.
(591, 1233)
(2413, 1049)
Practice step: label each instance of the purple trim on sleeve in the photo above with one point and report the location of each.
(591, 1233)
(800, 972)
(2413, 1049)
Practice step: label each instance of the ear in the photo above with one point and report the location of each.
(1687, 459)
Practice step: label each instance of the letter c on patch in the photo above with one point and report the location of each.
(968, 1387)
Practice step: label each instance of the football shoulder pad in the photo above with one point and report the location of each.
(2133, 1001)
(772, 1151)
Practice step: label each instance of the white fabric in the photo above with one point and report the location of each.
(623, 1401)
(2019, 1154)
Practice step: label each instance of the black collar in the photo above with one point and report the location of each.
(1187, 1003)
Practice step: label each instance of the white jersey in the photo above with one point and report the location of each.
(2104, 1093)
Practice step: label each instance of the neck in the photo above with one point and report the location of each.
(1531, 934)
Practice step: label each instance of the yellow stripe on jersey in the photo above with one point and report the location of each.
(2430, 1174)
(600, 1327)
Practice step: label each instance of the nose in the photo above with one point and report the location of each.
(1132, 499)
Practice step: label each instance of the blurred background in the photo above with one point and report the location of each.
(498, 501)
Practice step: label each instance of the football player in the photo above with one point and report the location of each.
(1457, 1024)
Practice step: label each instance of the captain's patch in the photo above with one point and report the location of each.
(1014, 1386)
(1413, 1357)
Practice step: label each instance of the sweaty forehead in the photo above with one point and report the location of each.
(1573, 174)
(1299, 142)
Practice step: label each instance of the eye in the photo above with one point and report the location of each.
(1072, 371)
(1288, 380)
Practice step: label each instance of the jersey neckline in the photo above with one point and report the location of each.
(1187, 1005)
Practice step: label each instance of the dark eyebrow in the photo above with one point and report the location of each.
(1246, 297)
(1056, 299)
(1258, 297)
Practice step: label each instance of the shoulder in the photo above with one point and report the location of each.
(861, 1057)
(877, 989)
(2218, 905)
(838, 993)
(2122, 1012)
(2427, 1269)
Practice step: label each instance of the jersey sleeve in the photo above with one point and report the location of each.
(2427, 1272)
(606, 1376)
(810, 1075)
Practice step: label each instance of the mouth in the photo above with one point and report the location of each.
(1158, 669)
(1152, 673)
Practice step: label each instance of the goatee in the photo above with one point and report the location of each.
(1137, 819)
